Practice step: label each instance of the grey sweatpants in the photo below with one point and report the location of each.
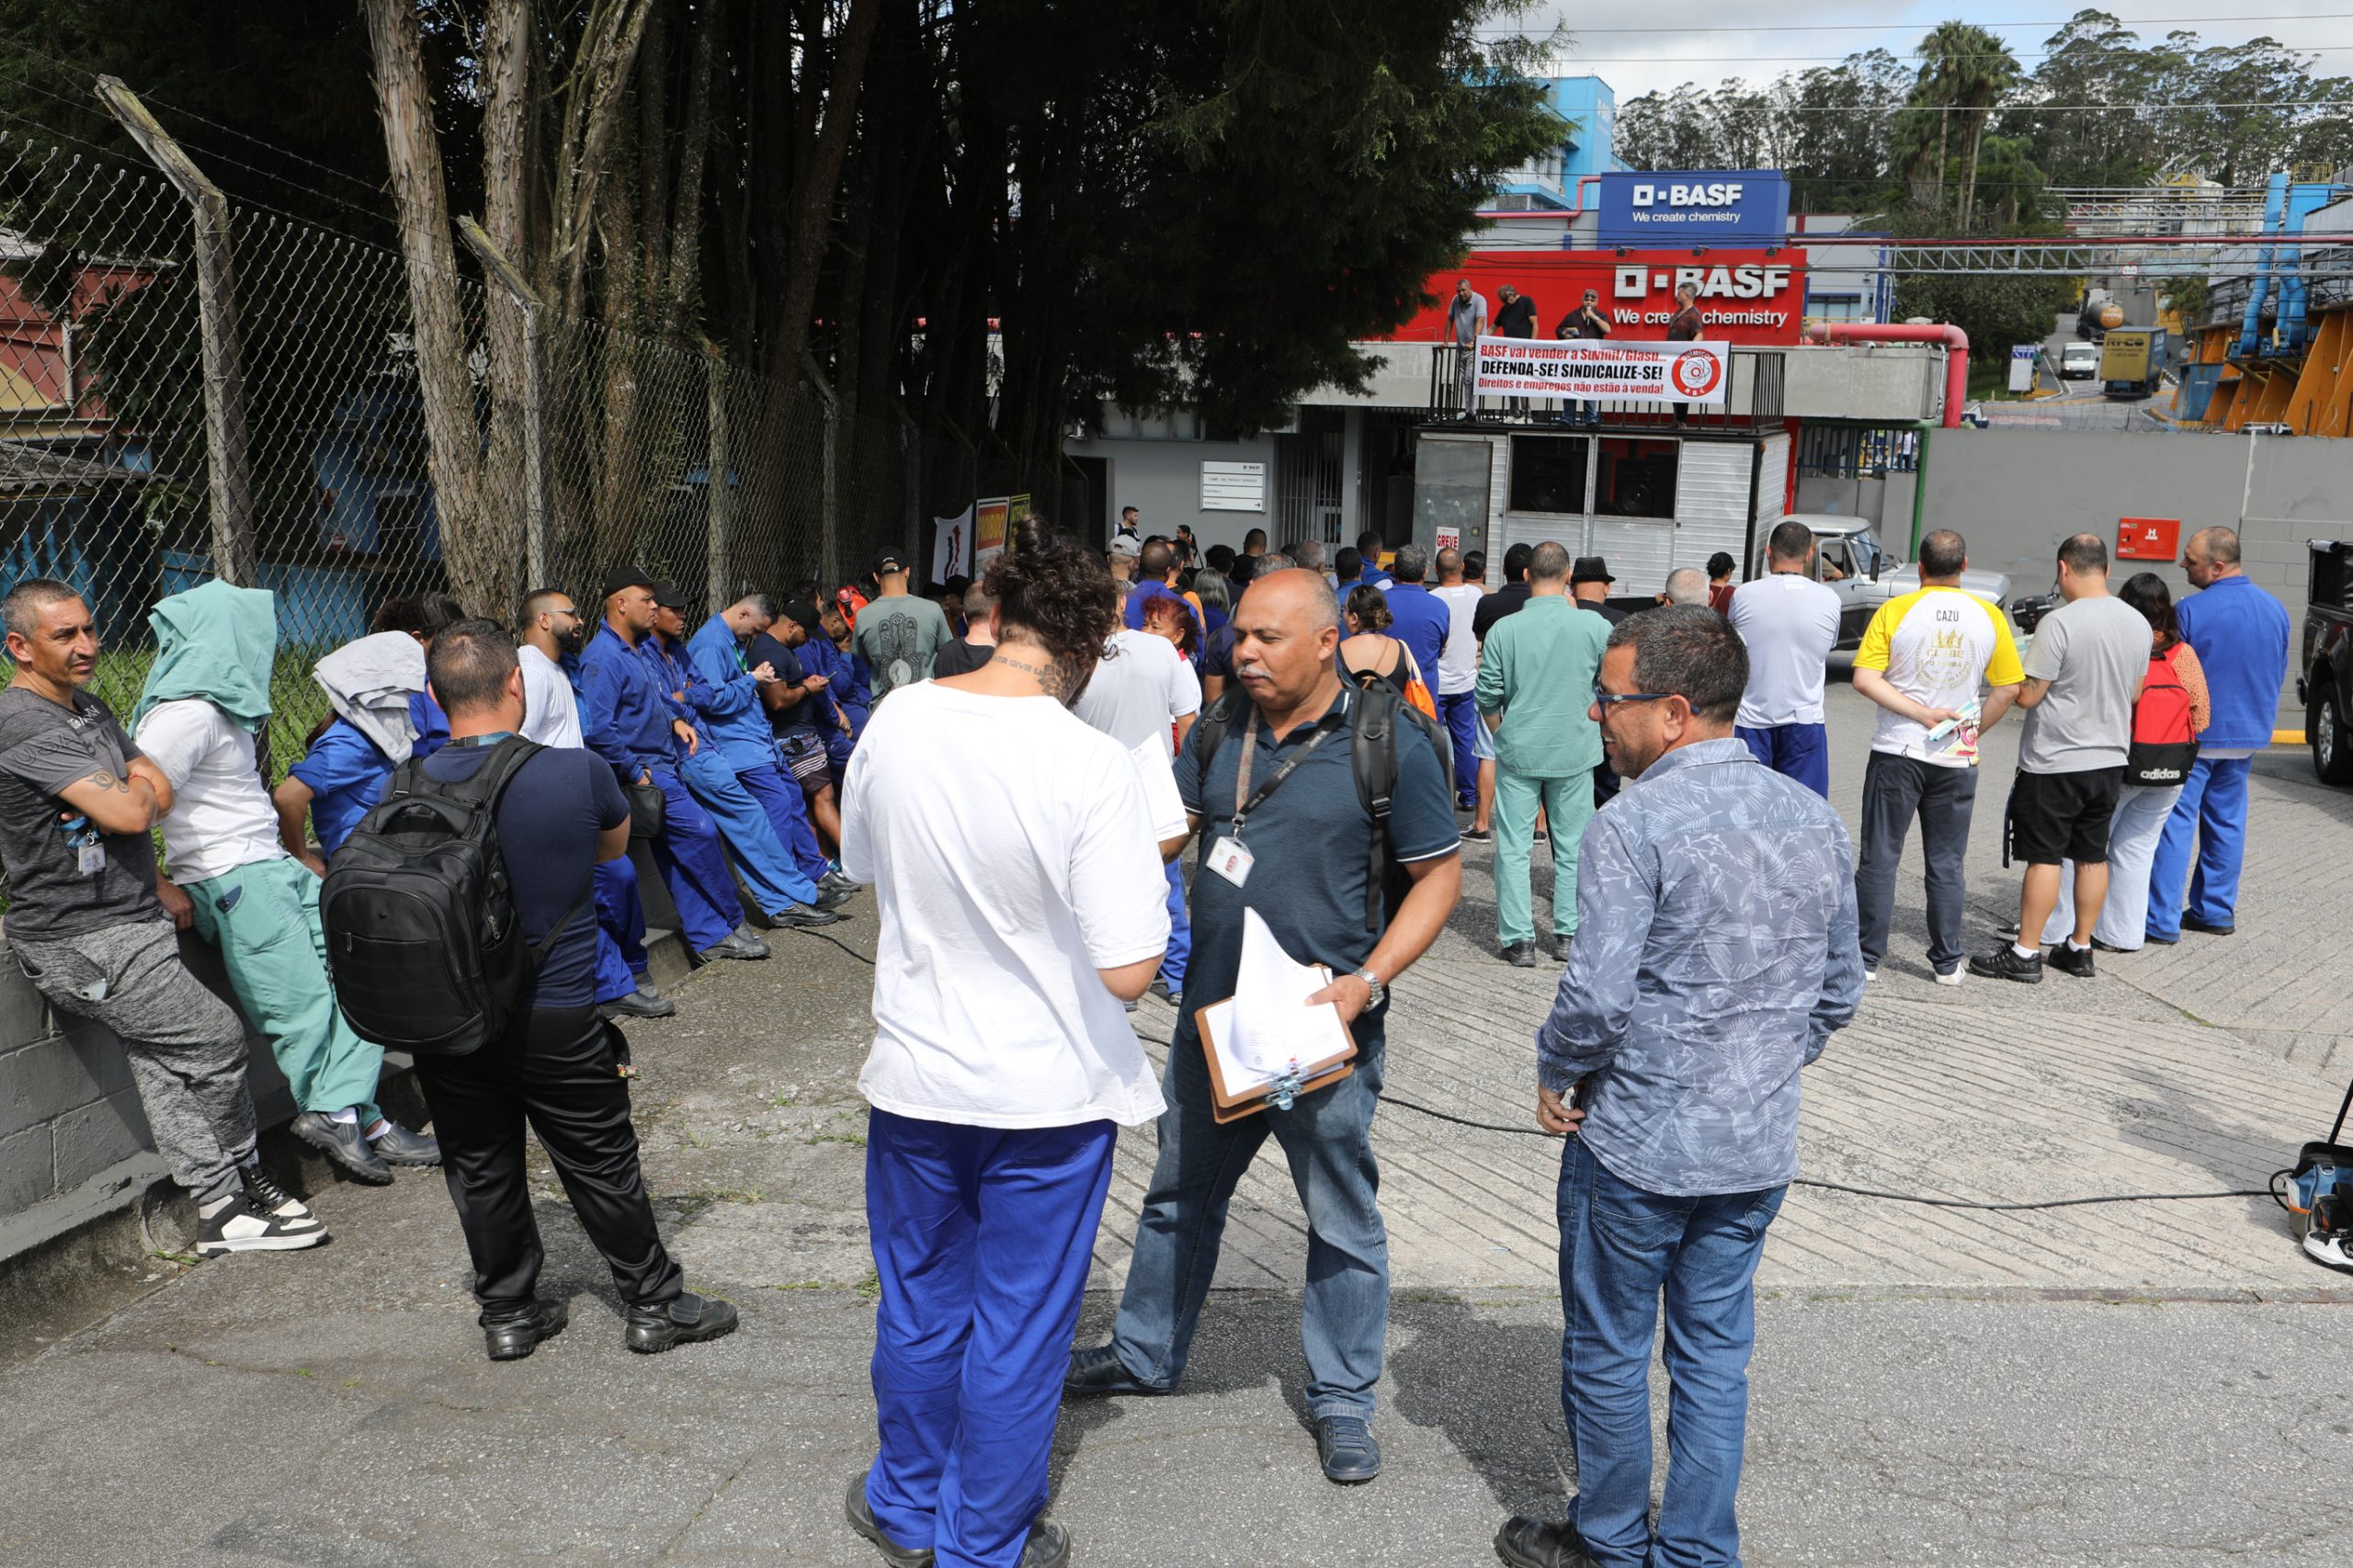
(1895, 791)
(186, 1047)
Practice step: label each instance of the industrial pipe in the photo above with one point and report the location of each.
(1955, 341)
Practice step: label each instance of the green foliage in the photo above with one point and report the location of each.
(1994, 312)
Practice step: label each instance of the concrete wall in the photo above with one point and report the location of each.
(73, 1142)
(2015, 494)
(1164, 478)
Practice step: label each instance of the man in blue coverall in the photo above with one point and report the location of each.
(767, 866)
(627, 719)
(746, 739)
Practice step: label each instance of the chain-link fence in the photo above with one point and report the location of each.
(115, 409)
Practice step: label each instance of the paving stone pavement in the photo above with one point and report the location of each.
(2129, 1385)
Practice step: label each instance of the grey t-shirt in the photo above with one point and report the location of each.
(43, 748)
(2093, 653)
(900, 638)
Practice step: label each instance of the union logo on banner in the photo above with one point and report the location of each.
(1694, 371)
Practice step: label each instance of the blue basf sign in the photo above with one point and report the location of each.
(1695, 207)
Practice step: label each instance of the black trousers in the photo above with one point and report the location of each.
(555, 1070)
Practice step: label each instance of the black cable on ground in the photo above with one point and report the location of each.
(2271, 1193)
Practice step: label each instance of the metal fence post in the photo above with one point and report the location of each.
(226, 437)
(718, 493)
(535, 443)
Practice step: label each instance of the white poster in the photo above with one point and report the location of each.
(1234, 487)
(1603, 368)
(951, 548)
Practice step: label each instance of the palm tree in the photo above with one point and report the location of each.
(1965, 70)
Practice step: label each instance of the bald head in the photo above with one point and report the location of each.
(2211, 553)
(1285, 631)
(1292, 593)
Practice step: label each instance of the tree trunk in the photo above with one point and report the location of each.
(479, 544)
(816, 185)
(1969, 188)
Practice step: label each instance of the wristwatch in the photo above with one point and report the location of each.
(1379, 993)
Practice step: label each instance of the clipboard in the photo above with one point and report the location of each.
(1226, 1106)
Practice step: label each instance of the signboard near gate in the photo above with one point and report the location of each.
(1750, 296)
(1605, 368)
(1695, 207)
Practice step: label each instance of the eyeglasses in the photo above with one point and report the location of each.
(1605, 701)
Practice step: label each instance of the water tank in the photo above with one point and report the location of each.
(2111, 316)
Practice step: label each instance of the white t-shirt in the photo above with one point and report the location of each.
(1789, 623)
(1012, 856)
(1937, 645)
(1458, 667)
(221, 816)
(550, 712)
(1142, 687)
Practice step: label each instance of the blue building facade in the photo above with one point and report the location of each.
(1588, 109)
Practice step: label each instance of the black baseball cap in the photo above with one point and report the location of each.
(1590, 569)
(887, 561)
(667, 597)
(801, 612)
(626, 577)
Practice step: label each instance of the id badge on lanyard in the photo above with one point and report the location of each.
(1230, 858)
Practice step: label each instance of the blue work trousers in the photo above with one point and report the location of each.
(620, 929)
(1327, 1139)
(1459, 711)
(1180, 929)
(694, 865)
(788, 813)
(981, 1239)
(2212, 813)
(776, 882)
(1796, 750)
(1622, 1248)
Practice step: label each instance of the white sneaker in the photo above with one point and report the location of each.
(1952, 979)
(239, 1227)
(1870, 974)
(2328, 1247)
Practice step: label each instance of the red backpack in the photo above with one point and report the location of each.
(2164, 741)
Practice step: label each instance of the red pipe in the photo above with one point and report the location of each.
(1955, 341)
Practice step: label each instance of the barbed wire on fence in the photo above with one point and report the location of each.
(648, 452)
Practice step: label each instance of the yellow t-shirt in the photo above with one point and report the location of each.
(1938, 646)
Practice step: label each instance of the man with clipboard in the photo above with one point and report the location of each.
(1286, 834)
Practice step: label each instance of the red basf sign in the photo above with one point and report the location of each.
(1745, 296)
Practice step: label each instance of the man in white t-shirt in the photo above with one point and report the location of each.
(551, 630)
(205, 696)
(1457, 675)
(1923, 660)
(1144, 688)
(1790, 623)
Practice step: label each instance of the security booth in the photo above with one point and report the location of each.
(1644, 490)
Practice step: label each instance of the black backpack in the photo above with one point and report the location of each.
(423, 941)
(1379, 716)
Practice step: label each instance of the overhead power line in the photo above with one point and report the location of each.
(2127, 23)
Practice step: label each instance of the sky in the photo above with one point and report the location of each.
(1703, 41)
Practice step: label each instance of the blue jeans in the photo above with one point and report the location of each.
(1180, 929)
(2212, 811)
(1621, 1247)
(982, 1240)
(1326, 1138)
(776, 882)
(1459, 712)
(693, 866)
(1796, 750)
(788, 813)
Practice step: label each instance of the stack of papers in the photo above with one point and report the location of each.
(1267, 1031)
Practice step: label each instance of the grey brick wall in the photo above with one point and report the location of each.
(70, 1119)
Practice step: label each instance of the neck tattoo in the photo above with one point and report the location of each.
(1050, 675)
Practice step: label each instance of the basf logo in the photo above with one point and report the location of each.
(1713, 206)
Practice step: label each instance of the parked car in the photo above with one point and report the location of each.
(1849, 556)
(2079, 362)
(2325, 677)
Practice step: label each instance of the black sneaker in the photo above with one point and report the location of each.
(274, 1202)
(2191, 922)
(2069, 960)
(515, 1335)
(861, 1514)
(2004, 963)
(1478, 834)
(686, 1320)
(1098, 1370)
(1561, 944)
(1520, 955)
(1048, 1546)
(800, 916)
(396, 1145)
(1345, 1447)
(734, 946)
(1524, 1542)
(830, 897)
(642, 1002)
(344, 1146)
(238, 1226)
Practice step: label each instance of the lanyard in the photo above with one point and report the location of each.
(1323, 730)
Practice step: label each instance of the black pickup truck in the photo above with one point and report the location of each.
(2324, 674)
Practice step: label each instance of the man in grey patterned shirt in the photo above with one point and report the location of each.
(1717, 952)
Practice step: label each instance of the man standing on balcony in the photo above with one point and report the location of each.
(1466, 323)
